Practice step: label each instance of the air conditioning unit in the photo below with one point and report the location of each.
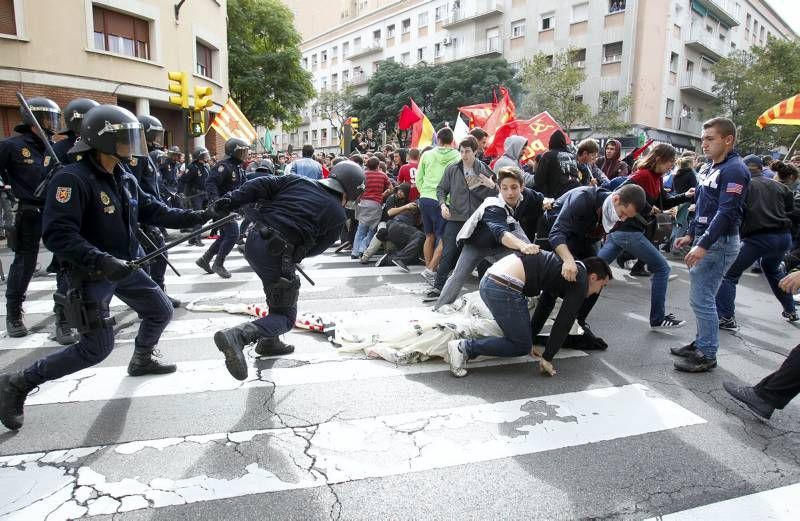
(447, 40)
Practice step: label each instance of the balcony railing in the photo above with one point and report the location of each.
(375, 47)
(492, 47)
(699, 85)
(361, 79)
(707, 43)
(692, 126)
(477, 10)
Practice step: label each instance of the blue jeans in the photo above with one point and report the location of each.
(451, 250)
(770, 248)
(469, 259)
(141, 294)
(640, 247)
(705, 278)
(510, 310)
(364, 235)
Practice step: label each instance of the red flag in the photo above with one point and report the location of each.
(536, 130)
(477, 114)
(408, 117)
(503, 113)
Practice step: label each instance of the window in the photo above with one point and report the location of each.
(614, 6)
(8, 21)
(405, 58)
(669, 109)
(121, 33)
(420, 54)
(324, 135)
(357, 44)
(579, 58)
(437, 50)
(422, 19)
(612, 52)
(314, 135)
(345, 49)
(493, 39)
(323, 57)
(609, 101)
(204, 64)
(334, 80)
(549, 61)
(376, 36)
(518, 28)
(761, 34)
(390, 31)
(305, 136)
(314, 61)
(335, 51)
(548, 21)
(580, 12)
(405, 26)
(439, 13)
(673, 62)
(345, 77)
(305, 63)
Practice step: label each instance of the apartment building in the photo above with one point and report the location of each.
(659, 52)
(113, 51)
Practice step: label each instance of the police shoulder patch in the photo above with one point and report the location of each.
(63, 194)
(104, 198)
(221, 168)
(46, 160)
(25, 152)
(134, 161)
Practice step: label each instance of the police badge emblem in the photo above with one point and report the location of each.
(25, 152)
(105, 199)
(134, 161)
(221, 168)
(46, 161)
(63, 194)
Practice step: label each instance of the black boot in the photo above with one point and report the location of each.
(15, 327)
(204, 262)
(13, 391)
(144, 362)
(65, 335)
(232, 342)
(219, 269)
(273, 346)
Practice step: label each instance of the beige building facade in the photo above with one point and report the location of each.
(658, 52)
(113, 51)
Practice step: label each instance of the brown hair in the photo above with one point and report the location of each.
(469, 142)
(785, 170)
(510, 172)
(588, 145)
(478, 133)
(373, 163)
(413, 154)
(660, 153)
(724, 126)
(685, 162)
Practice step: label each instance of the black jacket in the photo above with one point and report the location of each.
(24, 162)
(557, 171)
(577, 216)
(768, 206)
(225, 176)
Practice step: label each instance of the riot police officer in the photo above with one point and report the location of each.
(73, 117)
(192, 183)
(91, 212)
(295, 218)
(24, 163)
(225, 176)
(169, 176)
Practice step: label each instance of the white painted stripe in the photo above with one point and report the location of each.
(779, 504)
(329, 453)
(107, 383)
(247, 277)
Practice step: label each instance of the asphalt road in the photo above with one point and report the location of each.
(616, 434)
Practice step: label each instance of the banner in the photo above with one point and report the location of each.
(536, 130)
(787, 112)
(230, 122)
(477, 114)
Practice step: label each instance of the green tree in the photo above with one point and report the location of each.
(335, 105)
(265, 76)
(608, 120)
(553, 83)
(750, 82)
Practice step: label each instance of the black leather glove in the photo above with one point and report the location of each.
(223, 206)
(114, 269)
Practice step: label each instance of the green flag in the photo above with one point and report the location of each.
(267, 141)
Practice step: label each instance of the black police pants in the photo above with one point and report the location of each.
(141, 294)
(779, 388)
(229, 232)
(29, 233)
(270, 270)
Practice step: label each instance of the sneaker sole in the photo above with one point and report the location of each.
(675, 352)
(234, 359)
(675, 326)
(430, 299)
(742, 403)
(458, 372)
(696, 369)
(164, 369)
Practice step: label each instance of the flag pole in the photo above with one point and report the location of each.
(789, 153)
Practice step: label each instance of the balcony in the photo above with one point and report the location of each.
(689, 125)
(721, 9)
(699, 85)
(491, 49)
(376, 47)
(706, 43)
(361, 79)
(477, 11)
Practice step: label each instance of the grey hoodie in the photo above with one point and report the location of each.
(513, 147)
(463, 201)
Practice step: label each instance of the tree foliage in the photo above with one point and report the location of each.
(265, 76)
(750, 82)
(335, 105)
(553, 83)
(438, 90)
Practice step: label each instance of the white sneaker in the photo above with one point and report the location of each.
(669, 322)
(429, 276)
(458, 359)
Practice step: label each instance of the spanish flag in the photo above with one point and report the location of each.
(230, 122)
(787, 112)
(422, 133)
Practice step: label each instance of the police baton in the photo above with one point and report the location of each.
(142, 234)
(138, 263)
(40, 190)
(303, 273)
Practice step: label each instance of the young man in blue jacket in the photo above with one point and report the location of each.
(714, 236)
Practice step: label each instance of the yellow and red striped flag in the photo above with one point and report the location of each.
(230, 122)
(787, 112)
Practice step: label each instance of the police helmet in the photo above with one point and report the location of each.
(158, 157)
(237, 148)
(174, 151)
(46, 113)
(264, 165)
(346, 178)
(153, 129)
(74, 112)
(111, 130)
(201, 154)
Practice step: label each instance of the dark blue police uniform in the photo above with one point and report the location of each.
(61, 148)
(300, 212)
(90, 214)
(225, 176)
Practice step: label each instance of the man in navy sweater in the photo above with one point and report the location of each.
(714, 236)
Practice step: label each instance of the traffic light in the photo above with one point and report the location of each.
(354, 124)
(179, 84)
(202, 98)
(197, 123)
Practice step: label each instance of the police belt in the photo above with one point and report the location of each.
(28, 207)
(278, 244)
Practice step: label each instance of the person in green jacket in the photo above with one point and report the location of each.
(429, 173)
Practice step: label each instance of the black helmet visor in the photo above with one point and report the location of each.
(48, 117)
(240, 152)
(129, 140)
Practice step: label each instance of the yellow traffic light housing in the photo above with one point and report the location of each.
(202, 98)
(197, 123)
(354, 124)
(179, 84)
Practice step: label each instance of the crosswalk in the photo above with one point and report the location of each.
(317, 423)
